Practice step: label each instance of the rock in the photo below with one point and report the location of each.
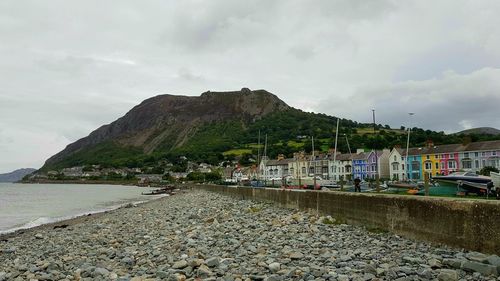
(494, 260)
(455, 263)
(9, 250)
(447, 275)
(162, 274)
(296, 255)
(128, 261)
(475, 256)
(369, 268)
(434, 263)
(274, 267)
(482, 268)
(180, 264)
(99, 271)
(38, 236)
(195, 262)
(177, 277)
(113, 276)
(212, 262)
(425, 273)
(203, 271)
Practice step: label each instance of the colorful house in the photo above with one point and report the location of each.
(360, 165)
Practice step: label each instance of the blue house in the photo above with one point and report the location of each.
(360, 165)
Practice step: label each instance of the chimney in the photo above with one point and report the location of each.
(281, 157)
(430, 143)
(360, 150)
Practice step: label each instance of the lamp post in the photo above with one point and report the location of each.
(375, 150)
(408, 147)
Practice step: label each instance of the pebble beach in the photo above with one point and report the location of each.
(198, 235)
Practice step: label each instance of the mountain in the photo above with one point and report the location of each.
(217, 126)
(166, 122)
(480, 130)
(16, 175)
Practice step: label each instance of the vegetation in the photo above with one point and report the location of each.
(486, 170)
(287, 132)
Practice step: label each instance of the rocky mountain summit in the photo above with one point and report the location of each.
(169, 121)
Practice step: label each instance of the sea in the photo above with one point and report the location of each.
(28, 205)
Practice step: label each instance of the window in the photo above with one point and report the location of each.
(303, 170)
(437, 165)
(442, 165)
(494, 153)
(466, 154)
(428, 165)
(476, 164)
(483, 153)
(427, 157)
(436, 156)
(467, 164)
(450, 155)
(452, 165)
(291, 170)
(476, 154)
(395, 158)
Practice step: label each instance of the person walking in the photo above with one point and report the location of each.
(357, 185)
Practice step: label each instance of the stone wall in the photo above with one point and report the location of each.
(469, 224)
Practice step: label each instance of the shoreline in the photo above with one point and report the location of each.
(68, 222)
(199, 234)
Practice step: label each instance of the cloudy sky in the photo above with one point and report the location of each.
(67, 67)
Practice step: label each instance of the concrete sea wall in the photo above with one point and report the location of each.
(469, 224)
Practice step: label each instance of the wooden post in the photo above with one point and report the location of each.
(426, 184)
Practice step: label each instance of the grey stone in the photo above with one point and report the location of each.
(296, 255)
(482, 268)
(212, 262)
(447, 275)
(38, 236)
(475, 256)
(99, 271)
(455, 263)
(274, 267)
(494, 260)
(203, 271)
(434, 263)
(180, 264)
(162, 274)
(128, 261)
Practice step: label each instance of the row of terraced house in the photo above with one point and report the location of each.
(395, 164)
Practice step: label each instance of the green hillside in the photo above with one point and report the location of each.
(287, 131)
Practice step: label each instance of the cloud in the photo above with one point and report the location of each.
(65, 74)
(451, 103)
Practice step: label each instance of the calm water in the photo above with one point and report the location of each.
(29, 205)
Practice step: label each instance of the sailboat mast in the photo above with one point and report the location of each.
(258, 157)
(265, 158)
(335, 151)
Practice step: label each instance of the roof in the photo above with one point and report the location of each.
(279, 162)
(484, 145)
(361, 156)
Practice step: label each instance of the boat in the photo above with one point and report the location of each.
(474, 187)
(156, 192)
(495, 178)
(453, 178)
(404, 185)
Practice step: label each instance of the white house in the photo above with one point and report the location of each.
(396, 164)
(275, 169)
(341, 168)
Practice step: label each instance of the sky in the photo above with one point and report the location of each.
(68, 67)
